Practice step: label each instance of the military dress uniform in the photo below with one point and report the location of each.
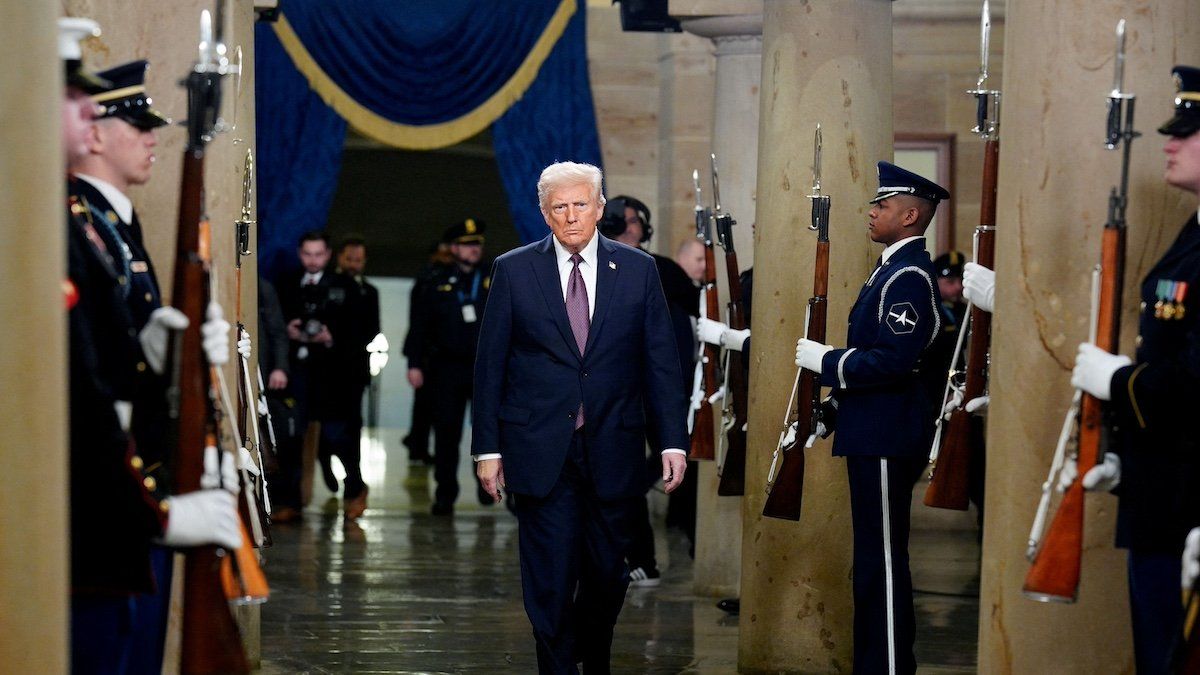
(1157, 431)
(442, 345)
(879, 411)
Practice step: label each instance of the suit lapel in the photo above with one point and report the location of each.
(606, 277)
(545, 269)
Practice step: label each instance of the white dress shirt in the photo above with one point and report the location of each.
(120, 203)
(587, 268)
(311, 278)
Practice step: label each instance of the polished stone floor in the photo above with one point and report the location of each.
(401, 591)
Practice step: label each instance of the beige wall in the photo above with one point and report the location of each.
(33, 451)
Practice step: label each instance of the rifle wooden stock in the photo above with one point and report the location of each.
(948, 489)
(786, 492)
(733, 469)
(210, 642)
(1186, 654)
(703, 441)
(1054, 575)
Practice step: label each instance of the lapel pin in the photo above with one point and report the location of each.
(612, 265)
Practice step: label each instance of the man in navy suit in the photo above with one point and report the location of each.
(575, 351)
(879, 410)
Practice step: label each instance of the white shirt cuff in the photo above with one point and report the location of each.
(486, 455)
(674, 451)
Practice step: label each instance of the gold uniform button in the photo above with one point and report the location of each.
(122, 280)
(136, 462)
(1143, 306)
(141, 366)
(150, 483)
(164, 506)
(1137, 341)
(149, 298)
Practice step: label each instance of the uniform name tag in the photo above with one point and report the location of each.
(138, 266)
(469, 314)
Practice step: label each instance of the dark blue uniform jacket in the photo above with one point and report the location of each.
(881, 404)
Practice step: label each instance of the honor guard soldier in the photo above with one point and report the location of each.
(1153, 400)
(115, 514)
(442, 342)
(879, 410)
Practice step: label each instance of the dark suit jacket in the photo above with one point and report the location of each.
(881, 404)
(530, 377)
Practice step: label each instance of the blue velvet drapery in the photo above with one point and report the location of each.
(418, 63)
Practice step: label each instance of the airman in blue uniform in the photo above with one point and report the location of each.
(879, 412)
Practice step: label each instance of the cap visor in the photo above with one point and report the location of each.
(879, 198)
(1181, 126)
(90, 83)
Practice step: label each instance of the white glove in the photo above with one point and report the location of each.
(219, 471)
(243, 344)
(153, 337)
(734, 339)
(215, 335)
(1105, 476)
(979, 286)
(203, 517)
(1191, 560)
(810, 353)
(952, 405)
(710, 331)
(820, 432)
(979, 405)
(1094, 369)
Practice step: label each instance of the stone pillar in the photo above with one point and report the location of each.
(171, 49)
(1054, 181)
(738, 40)
(824, 61)
(33, 364)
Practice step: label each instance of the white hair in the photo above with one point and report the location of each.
(566, 174)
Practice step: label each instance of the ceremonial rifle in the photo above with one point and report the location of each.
(210, 640)
(704, 384)
(1185, 658)
(785, 489)
(1054, 575)
(733, 413)
(954, 447)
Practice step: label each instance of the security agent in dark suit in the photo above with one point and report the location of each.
(879, 410)
(117, 510)
(1154, 466)
(575, 353)
(441, 349)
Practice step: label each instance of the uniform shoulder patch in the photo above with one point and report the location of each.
(902, 318)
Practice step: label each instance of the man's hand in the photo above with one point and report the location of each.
(214, 335)
(710, 331)
(416, 378)
(203, 517)
(491, 476)
(674, 466)
(1105, 476)
(153, 337)
(1094, 369)
(952, 405)
(277, 380)
(1191, 560)
(979, 286)
(243, 344)
(323, 336)
(810, 353)
(978, 405)
(294, 332)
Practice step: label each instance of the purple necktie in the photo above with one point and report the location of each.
(577, 314)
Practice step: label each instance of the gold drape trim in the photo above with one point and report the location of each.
(426, 136)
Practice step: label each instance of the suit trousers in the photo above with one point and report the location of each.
(450, 383)
(884, 618)
(573, 572)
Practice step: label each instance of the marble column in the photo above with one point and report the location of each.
(33, 364)
(1054, 180)
(738, 41)
(827, 61)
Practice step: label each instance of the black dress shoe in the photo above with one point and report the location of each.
(440, 509)
(730, 605)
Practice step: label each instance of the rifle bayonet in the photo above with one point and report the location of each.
(244, 223)
(987, 101)
(1120, 102)
(703, 214)
(820, 202)
(723, 221)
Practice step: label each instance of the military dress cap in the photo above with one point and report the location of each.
(127, 99)
(1187, 103)
(70, 31)
(949, 264)
(896, 181)
(469, 231)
